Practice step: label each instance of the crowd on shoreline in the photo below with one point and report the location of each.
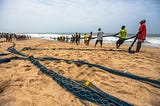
(75, 38)
(9, 37)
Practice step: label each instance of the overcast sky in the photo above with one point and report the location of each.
(30, 16)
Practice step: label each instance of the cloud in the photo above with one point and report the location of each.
(78, 15)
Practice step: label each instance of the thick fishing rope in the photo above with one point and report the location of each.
(116, 37)
(155, 83)
(152, 82)
(4, 54)
(84, 90)
(82, 49)
(113, 35)
(130, 47)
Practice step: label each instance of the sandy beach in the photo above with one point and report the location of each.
(22, 84)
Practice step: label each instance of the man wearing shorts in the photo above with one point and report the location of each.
(99, 37)
(123, 34)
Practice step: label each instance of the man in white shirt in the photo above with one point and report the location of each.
(99, 37)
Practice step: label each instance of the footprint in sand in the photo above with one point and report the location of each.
(27, 66)
(124, 92)
(56, 55)
(28, 69)
(3, 86)
(105, 78)
(32, 80)
(15, 64)
(61, 72)
(108, 85)
(81, 73)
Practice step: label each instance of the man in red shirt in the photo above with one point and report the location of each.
(141, 34)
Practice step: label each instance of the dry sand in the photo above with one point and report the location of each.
(22, 84)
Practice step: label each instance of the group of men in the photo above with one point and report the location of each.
(9, 37)
(141, 36)
(76, 38)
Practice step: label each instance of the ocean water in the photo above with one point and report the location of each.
(152, 40)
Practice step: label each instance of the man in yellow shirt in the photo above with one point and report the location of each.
(123, 34)
(85, 39)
